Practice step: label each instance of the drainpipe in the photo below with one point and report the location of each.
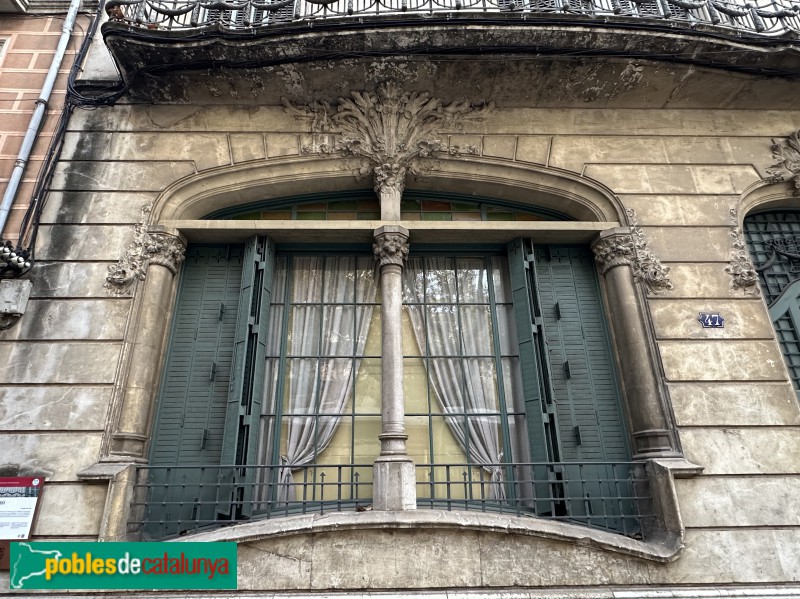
(38, 115)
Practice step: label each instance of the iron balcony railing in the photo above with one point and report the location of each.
(751, 17)
(174, 500)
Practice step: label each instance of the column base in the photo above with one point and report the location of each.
(394, 485)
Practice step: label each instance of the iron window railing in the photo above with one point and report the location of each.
(174, 500)
(759, 17)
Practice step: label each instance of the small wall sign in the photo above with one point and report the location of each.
(711, 320)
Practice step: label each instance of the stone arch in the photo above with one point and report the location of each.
(200, 194)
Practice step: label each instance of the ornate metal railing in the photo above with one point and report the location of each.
(175, 500)
(754, 17)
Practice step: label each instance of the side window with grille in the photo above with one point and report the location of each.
(773, 239)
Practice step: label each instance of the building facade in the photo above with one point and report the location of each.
(422, 297)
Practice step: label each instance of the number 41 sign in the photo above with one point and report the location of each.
(711, 320)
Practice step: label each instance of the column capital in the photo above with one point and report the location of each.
(391, 245)
(614, 247)
(156, 245)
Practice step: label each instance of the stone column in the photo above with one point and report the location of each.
(394, 480)
(158, 258)
(642, 390)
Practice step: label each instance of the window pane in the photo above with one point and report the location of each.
(473, 286)
(306, 279)
(476, 330)
(440, 280)
(304, 331)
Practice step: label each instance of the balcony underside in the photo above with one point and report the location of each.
(143, 53)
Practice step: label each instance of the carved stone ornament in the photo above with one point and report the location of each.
(389, 129)
(787, 167)
(616, 250)
(743, 272)
(146, 248)
(647, 268)
(391, 248)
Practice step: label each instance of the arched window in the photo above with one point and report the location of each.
(773, 239)
(270, 400)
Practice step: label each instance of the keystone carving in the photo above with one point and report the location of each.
(147, 247)
(391, 248)
(743, 272)
(787, 167)
(389, 130)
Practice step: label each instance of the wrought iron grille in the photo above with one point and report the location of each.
(773, 239)
(174, 500)
(757, 17)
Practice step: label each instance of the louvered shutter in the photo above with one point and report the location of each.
(247, 382)
(537, 398)
(191, 410)
(589, 413)
(785, 315)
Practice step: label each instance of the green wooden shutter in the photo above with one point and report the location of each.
(537, 396)
(589, 413)
(190, 417)
(240, 443)
(590, 418)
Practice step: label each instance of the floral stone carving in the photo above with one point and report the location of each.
(389, 129)
(787, 167)
(147, 247)
(743, 272)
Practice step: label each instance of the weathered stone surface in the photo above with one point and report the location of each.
(77, 242)
(722, 361)
(573, 152)
(466, 141)
(743, 319)
(69, 279)
(71, 319)
(53, 408)
(500, 146)
(247, 146)
(690, 244)
(707, 281)
(588, 121)
(660, 179)
(282, 145)
(59, 362)
(731, 502)
(755, 450)
(206, 150)
(533, 148)
(70, 509)
(123, 176)
(681, 210)
(507, 560)
(280, 564)
(97, 207)
(734, 404)
(58, 456)
(733, 556)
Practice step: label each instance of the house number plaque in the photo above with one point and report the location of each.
(711, 320)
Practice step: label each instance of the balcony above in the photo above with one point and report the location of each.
(154, 37)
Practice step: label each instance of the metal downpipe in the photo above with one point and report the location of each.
(38, 115)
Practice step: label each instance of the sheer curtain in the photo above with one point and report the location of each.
(323, 344)
(466, 383)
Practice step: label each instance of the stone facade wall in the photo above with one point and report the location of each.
(681, 169)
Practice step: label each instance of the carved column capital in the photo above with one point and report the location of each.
(154, 245)
(391, 245)
(614, 248)
(165, 249)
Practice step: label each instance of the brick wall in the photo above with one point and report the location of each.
(29, 44)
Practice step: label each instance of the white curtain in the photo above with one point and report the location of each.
(322, 343)
(462, 385)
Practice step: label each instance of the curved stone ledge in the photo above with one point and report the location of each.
(665, 550)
